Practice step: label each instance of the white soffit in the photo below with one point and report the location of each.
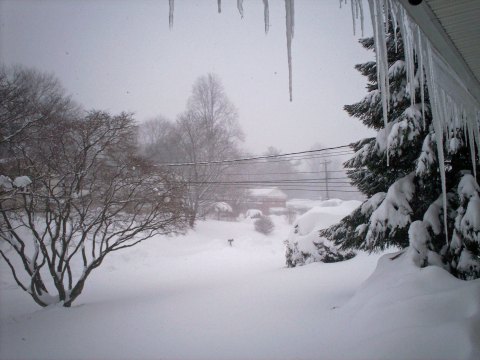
(453, 27)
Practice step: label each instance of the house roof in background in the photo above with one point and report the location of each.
(273, 193)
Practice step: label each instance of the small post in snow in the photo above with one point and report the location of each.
(230, 241)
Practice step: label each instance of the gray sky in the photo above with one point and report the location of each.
(120, 55)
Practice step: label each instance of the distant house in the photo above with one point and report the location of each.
(266, 199)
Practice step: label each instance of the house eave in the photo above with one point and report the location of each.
(451, 50)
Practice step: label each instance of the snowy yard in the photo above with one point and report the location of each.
(195, 297)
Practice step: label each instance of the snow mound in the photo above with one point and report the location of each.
(316, 218)
(331, 202)
(193, 296)
(304, 244)
(402, 304)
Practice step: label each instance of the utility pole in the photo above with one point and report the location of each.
(325, 164)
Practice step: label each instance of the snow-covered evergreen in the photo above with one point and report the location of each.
(399, 171)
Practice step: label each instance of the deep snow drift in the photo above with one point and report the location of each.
(195, 297)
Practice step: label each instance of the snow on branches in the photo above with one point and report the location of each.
(450, 100)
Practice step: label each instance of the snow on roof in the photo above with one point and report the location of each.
(222, 207)
(268, 193)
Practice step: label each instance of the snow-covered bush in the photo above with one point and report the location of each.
(264, 225)
(306, 251)
(253, 214)
(465, 245)
(221, 209)
(305, 245)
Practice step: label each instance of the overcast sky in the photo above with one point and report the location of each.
(120, 55)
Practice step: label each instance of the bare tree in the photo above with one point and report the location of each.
(83, 195)
(28, 98)
(207, 131)
(157, 140)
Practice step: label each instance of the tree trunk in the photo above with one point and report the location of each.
(192, 219)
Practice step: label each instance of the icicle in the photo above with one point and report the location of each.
(472, 124)
(240, 7)
(452, 104)
(385, 11)
(379, 31)
(171, 6)
(289, 17)
(408, 45)
(362, 19)
(437, 120)
(219, 6)
(394, 25)
(266, 15)
(422, 74)
(354, 15)
(357, 11)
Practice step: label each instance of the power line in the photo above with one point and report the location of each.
(271, 183)
(282, 186)
(263, 157)
(271, 180)
(284, 173)
(293, 187)
(262, 162)
(311, 190)
(308, 157)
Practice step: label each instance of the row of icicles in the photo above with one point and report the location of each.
(450, 100)
(289, 20)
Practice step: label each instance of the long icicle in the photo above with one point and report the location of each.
(378, 24)
(171, 8)
(437, 120)
(353, 4)
(219, 6)
(240, 7)
(289, 18)
(266, 15)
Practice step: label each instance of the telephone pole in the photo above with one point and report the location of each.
(325, 164)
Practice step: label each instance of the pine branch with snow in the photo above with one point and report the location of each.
(400, 171)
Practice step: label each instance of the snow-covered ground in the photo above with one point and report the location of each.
(195, 297)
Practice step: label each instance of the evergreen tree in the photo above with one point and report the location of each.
(398, 171)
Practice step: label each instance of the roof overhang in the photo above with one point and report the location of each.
(453, 28)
